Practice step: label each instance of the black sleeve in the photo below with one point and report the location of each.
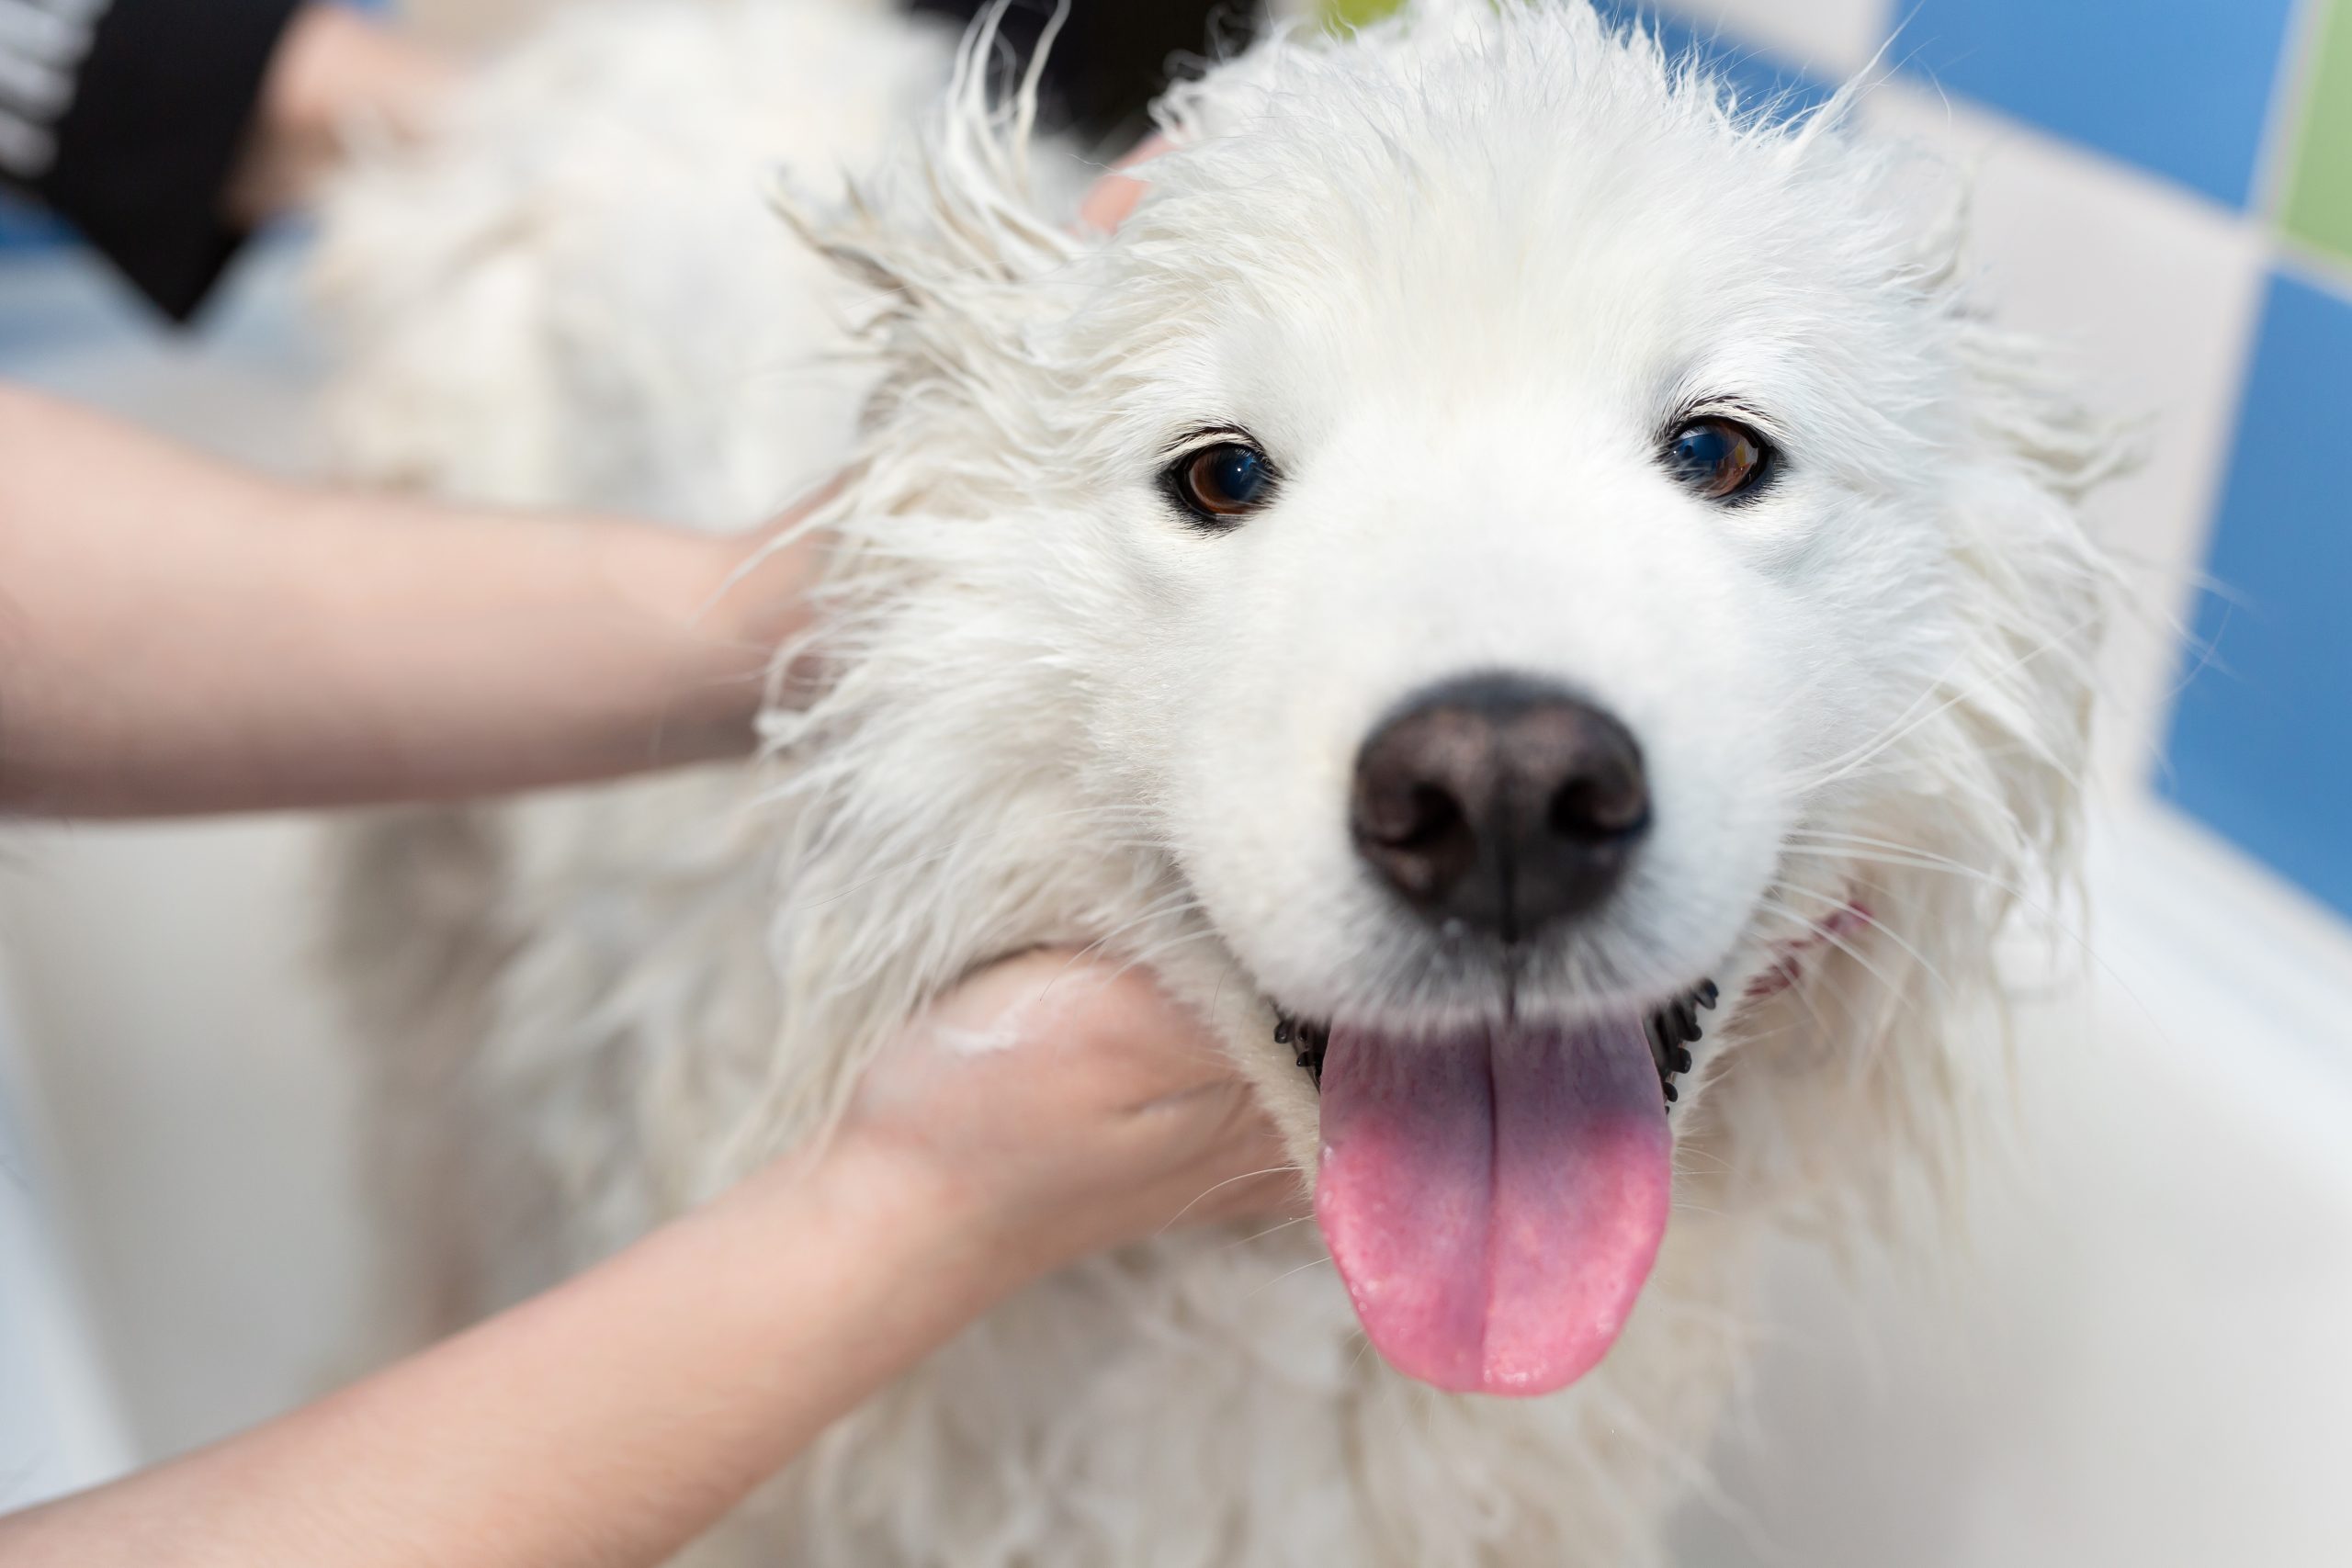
(126, 118)
(1113, 56)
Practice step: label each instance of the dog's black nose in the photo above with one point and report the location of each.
(1500, 803)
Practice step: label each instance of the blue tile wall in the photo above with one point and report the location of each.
(2261, 748)
(2179, 87)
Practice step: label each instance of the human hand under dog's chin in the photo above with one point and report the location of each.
(1059, 1106)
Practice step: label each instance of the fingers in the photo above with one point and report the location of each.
(1114, 196)
(1050, 991)
(1084, 1004)
(1078, 1102)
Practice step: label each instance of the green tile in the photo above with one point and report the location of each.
(2319, 183)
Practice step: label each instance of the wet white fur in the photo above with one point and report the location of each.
(1457, 274)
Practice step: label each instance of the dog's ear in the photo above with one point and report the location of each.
(944, 240)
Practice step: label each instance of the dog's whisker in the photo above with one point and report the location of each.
(1246, 1175)
(1286, 1274)
(1685, 1155)
(1922, 861)
(1888, 932)
(1835, 771)
(2051, 920)
(1863, 852)
(1894, 994)
(1269, 1230)
(1818, 931)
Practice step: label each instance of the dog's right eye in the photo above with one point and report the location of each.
(1718, 457)
(1222, 483)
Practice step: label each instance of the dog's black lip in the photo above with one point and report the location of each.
(1672, 1030)
(1312, 1040)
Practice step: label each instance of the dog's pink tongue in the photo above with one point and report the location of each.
(1494, 1202)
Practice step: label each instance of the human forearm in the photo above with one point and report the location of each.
(601, 1425)
(608, 1422)
(176, 636)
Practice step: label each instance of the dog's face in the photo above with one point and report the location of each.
(1512, 575)
(1505, 507)
(1530, 506)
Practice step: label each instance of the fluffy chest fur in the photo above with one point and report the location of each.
(1467, 284)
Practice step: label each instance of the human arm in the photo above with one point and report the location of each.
(180, 637)
(1048, 1108)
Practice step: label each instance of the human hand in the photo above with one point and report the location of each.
(1063, 1105)
(1114, 196)
(759, 586)
(335, 71)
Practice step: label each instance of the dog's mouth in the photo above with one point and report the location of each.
(1495, 1196)
(1672, 1030)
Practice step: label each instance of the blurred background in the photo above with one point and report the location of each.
(2139, 1351)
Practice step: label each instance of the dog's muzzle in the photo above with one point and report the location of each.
(1499, 804)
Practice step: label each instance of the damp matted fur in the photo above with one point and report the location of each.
(1456, 268)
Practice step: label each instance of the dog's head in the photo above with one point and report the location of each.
(1506, 533)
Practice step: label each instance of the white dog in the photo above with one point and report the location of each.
(1507, 562)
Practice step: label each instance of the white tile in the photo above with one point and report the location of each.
(1830, 39)
(2152, 295)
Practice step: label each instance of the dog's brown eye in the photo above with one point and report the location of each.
(1222, 482)
(1718, 457)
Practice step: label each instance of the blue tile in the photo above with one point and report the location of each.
(2179, 86)
(2262, 740)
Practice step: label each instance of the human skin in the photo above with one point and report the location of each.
(180, 637)
(209, 639)
(607, 1423)
(335, 73)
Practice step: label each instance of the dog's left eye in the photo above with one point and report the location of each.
(1718, 457)
(1221, 483)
